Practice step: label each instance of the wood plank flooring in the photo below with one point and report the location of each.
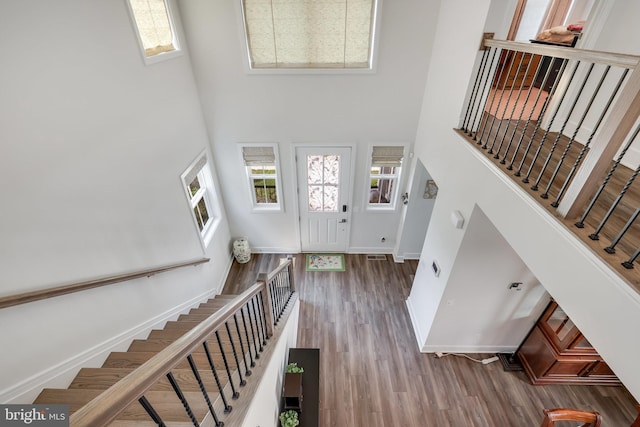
(372, 374)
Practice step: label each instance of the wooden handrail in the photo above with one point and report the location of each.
(110, 403)
(599, 57)
(32, 296)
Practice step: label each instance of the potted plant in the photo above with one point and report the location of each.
(289, 418)
(293, 368)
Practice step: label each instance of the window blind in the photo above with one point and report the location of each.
(193, 172)
(387, 156)
(258, 156)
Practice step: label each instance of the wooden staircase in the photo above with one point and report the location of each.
(91, 382)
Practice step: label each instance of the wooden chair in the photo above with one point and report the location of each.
(589, 418)
(636, 423)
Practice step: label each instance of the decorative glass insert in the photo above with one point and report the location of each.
(154, 26)
(323, 179)
(309, 33)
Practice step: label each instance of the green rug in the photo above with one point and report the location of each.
(325, 262)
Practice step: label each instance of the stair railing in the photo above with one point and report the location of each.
(564, 121)
(248, 321)
(37, 295)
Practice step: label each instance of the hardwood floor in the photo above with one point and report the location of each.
(372, 374)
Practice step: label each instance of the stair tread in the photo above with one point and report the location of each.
(166, 404)
(103, 378)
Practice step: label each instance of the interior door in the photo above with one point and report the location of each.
(323, 189)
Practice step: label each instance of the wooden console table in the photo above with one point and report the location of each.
(309, 360)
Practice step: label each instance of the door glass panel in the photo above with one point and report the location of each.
(323, 179)
(560, 323)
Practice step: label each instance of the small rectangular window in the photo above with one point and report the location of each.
(386, 163)
(262, 172)
(155, 29)
(198, 184)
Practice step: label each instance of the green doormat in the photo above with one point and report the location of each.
(325, 262)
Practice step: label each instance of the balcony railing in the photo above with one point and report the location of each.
(563, 122)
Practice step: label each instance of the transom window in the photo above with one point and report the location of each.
(310, 33)
(262, 171)
(386, 163)
(154, 27)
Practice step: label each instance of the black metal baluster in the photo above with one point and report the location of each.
(262, 308)
(151, 411)
(263, 317)
(546, 104)
(545, 194)
(183, 399)
(524, 106)
(235, 394)
(629, 263)
(533, 108)
(253, 333)
(580, 223)
(196, 374)
(494, 83)
(475, 90)
(611, 248)
(246, 333)
(259, 322)
(247, 371)
(595, 234)
(585, 147)
(227, 407)
(515, 103)
(274, 303)
(504, 86)
(482, 108)
(235, 354)
(546, 133)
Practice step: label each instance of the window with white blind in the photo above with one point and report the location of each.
(198, 185)
(384, 174)
(155, 29)
(261, 163)
(316, 34)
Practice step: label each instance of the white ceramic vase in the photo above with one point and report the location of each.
(241, 250)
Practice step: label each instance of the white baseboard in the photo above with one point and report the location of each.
(469, 349)
(420, 339)
(63, 373)
(274, 250)
(368, 250)
(406, 256)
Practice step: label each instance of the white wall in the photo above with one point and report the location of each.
(415, 220)
(307, 108)
(93, 145)
(596, 299)
(481, 277)
(265, 406)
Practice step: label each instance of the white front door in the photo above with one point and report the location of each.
(323, 188)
